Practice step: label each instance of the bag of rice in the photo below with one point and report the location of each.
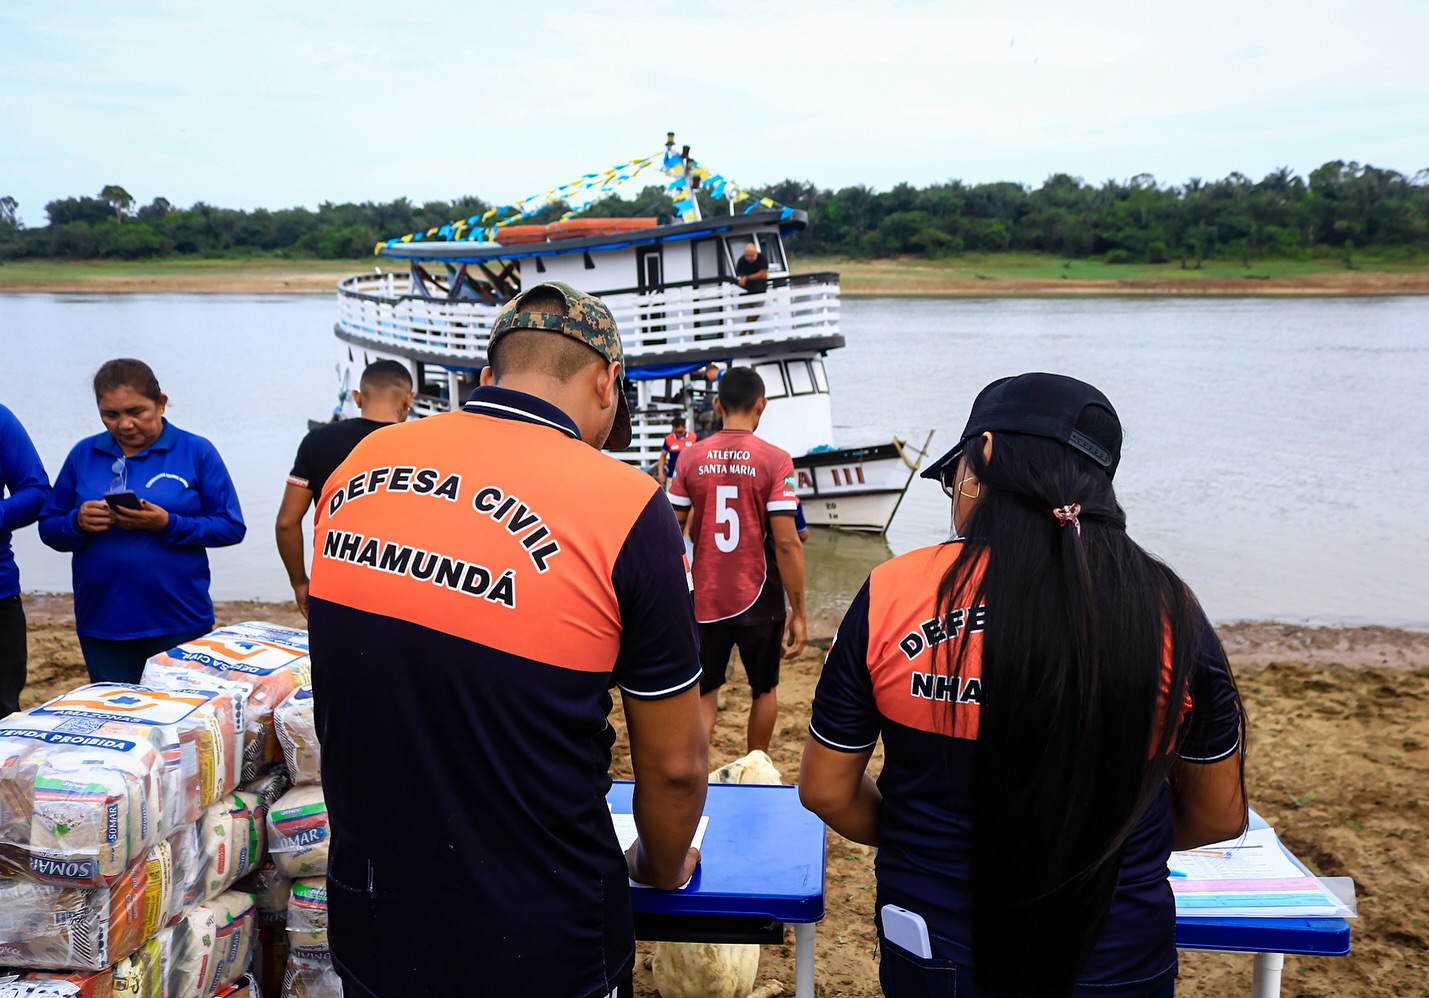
(43, 927)
(273, 660)
(237, 932)
(231, 841)
(298, 735)
(297, 833)
(158, 889)
(76, 808)
(141, 974)
(307, 920)
(194, 728)
(193, 958)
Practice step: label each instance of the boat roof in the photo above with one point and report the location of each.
(472, 251)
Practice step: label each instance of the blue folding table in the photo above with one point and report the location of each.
(762, 864)
(1269, 939)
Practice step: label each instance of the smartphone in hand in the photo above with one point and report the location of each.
(123, 499)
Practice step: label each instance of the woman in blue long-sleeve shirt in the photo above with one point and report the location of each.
(24, 487)
(140, 575)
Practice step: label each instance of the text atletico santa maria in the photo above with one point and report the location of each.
(460, 575)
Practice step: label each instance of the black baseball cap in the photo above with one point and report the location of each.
(1043, 405)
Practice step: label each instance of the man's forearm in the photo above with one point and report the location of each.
(290, 549)
(667, 812)
(790, 559)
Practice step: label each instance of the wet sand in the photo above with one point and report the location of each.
(1337, 763)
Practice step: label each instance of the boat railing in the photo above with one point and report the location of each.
(693, 316)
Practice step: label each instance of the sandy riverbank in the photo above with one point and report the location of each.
(1338, 763)
(1012, 275)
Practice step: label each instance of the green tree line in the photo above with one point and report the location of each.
(1340, 208)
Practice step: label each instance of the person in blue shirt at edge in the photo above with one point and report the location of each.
(1056, 712)
(24, 487)
(140, 574)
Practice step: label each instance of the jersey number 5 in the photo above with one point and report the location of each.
(724, 513)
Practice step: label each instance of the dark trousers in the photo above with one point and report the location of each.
(14, 653)
(903, 975)
(123, 661)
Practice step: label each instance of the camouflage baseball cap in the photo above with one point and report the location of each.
(587, 319)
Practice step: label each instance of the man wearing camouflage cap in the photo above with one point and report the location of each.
(480, 579)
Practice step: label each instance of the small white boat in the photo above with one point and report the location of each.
(671, 286)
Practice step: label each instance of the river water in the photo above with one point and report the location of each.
(1277, 450)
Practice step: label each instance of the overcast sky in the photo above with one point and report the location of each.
(275, 104)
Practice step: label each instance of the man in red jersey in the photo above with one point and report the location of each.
(737, 493)
(675, 441)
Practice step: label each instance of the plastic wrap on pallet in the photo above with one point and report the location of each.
(272, 659)
(141, 973)
(77, 809)
(310, 979)
(271, 891)
(63, 984)
(44, 927)
(268, 786)
(193, 728)
(188, 867)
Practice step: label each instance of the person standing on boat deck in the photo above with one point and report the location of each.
(24, 487)
(703, 401)
(677, 440)
(506, 574)
(139, 505)
(752, 269)
(737, 493)
(383, 397)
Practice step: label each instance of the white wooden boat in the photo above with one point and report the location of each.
(679, 307)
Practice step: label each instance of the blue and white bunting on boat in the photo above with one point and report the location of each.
(581, 193)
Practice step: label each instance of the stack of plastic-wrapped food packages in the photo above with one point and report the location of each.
(137, 823)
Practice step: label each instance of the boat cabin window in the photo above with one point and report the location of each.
(821, 377)
(769, 244)
(773, 375)
(801, 379)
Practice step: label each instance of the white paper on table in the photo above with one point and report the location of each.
(626, 833)
(1250, 876)
(1257, 855)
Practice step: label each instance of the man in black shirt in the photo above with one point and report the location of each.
(752, 269)
(383, 396)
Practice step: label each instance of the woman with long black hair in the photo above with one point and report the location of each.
(1056, 713)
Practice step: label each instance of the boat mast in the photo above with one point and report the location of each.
(692, 179)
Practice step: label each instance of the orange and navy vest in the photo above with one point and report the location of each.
(674, 444)
(480, 579)
(880, 681)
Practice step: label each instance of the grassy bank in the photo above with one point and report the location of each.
(1024, 274)
(1001, 274)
